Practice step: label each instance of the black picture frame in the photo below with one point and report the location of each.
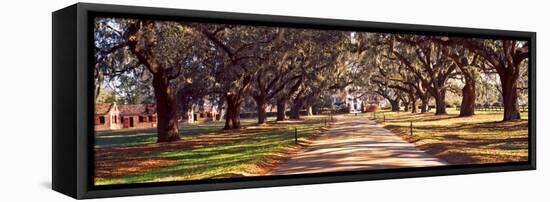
(73, 105)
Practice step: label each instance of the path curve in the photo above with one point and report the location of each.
(356, 143)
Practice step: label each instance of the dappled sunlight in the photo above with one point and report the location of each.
(482, 138)
(204, 151)
(349, 143)
(291, 121)
(119, 167)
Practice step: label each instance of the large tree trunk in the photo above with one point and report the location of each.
(394, 105)
(424, 105)
(506, 62)
(229, 114)
(281, 108)
(233, 114)
(467, 106)
(510, 98)
(220, 111)
(295, 109)
(315, 109)
(260, 103)
(236, 120)
(406, 106)
(413, 105)
(424, 101)
(440, 105)
(167, 128)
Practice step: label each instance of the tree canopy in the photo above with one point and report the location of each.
(177, 65)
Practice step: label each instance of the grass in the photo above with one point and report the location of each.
(205, 151)
(478, 139)
(127, 137)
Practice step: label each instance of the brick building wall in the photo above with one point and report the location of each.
(109, 120)
(136, 121)
(112, 117)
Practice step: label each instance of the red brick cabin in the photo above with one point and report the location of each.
(107, 116)
(110, 116)
(138, 115)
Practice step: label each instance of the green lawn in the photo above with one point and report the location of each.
(126, 137)
(205, 151)
(482, 138)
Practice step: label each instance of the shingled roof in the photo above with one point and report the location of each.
(103, 108)
(137, 109)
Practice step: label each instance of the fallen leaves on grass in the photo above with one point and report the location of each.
(477, 139)
(120, 167)
(124, 163)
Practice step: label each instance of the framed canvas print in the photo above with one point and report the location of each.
(155, 100)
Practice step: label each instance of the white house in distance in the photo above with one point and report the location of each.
(355, 105)
(354, 102)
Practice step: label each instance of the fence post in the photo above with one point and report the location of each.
(325, 122)
(384, 116)
(295, 135)
(411, 128)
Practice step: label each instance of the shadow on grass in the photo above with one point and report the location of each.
(416, 117)
(185, 162)
(470, 143)
(202, 153)
(473, 128)
(128, 137)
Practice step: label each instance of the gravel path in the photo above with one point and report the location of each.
(356, 143)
